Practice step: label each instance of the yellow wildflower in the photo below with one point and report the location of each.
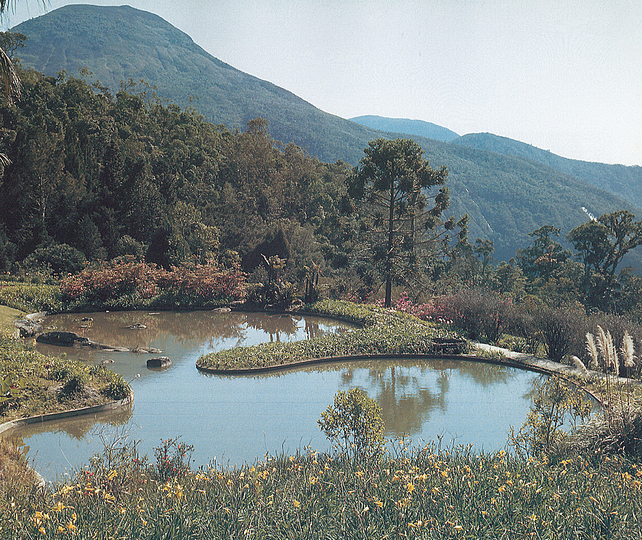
(410, 487)
(296, 503)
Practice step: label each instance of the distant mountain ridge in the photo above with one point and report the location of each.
(623, 181)
(119, 43)
(407, 127)
(506, 196)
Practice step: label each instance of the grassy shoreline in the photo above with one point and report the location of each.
(426, 492)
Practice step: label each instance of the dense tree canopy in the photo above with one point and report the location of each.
(95, 176)
(601, 245)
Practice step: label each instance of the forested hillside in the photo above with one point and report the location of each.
(116, 175)
(505, 197)
(90, 177)
(620, 180)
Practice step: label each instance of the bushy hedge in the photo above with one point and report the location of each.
(126, 283)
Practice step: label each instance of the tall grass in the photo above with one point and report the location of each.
(619, 428)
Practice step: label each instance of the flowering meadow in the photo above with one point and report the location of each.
(409, 493)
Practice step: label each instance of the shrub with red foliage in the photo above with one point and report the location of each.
(128, 283)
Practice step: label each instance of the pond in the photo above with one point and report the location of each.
(232, 420)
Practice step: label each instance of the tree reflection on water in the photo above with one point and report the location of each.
(408, 391)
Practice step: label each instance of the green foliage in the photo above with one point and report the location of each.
(354, 423)
(31, 298)
(117, 389)
(73, 386)
(393, 178)
(387, 333)
(10, 388)
(48, 385)
(416, 493)
(59, 259)
(361, 314)
(602, 244)
(556, 402)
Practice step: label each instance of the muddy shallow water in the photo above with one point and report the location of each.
(238, 419)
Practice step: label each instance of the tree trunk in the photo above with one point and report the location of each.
(389, 253)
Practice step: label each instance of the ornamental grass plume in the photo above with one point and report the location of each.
(603, 346)
(608, 351)
(628, 351)
(579, 364)
(591, 348)
(613, 359)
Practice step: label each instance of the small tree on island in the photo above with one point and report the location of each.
(392, 179)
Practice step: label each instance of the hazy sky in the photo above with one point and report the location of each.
(562, 75)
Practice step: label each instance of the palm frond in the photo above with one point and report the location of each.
(9, 77)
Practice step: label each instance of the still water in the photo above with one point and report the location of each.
(232, 420)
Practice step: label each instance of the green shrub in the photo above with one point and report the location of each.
(354, 424)
(73, 386)
(479, 314)
(562, 331)
(117, 390)
(556, 403)
(59, 259)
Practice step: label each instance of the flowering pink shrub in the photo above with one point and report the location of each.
(113, 279)
(432, 311)
(478, 313)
